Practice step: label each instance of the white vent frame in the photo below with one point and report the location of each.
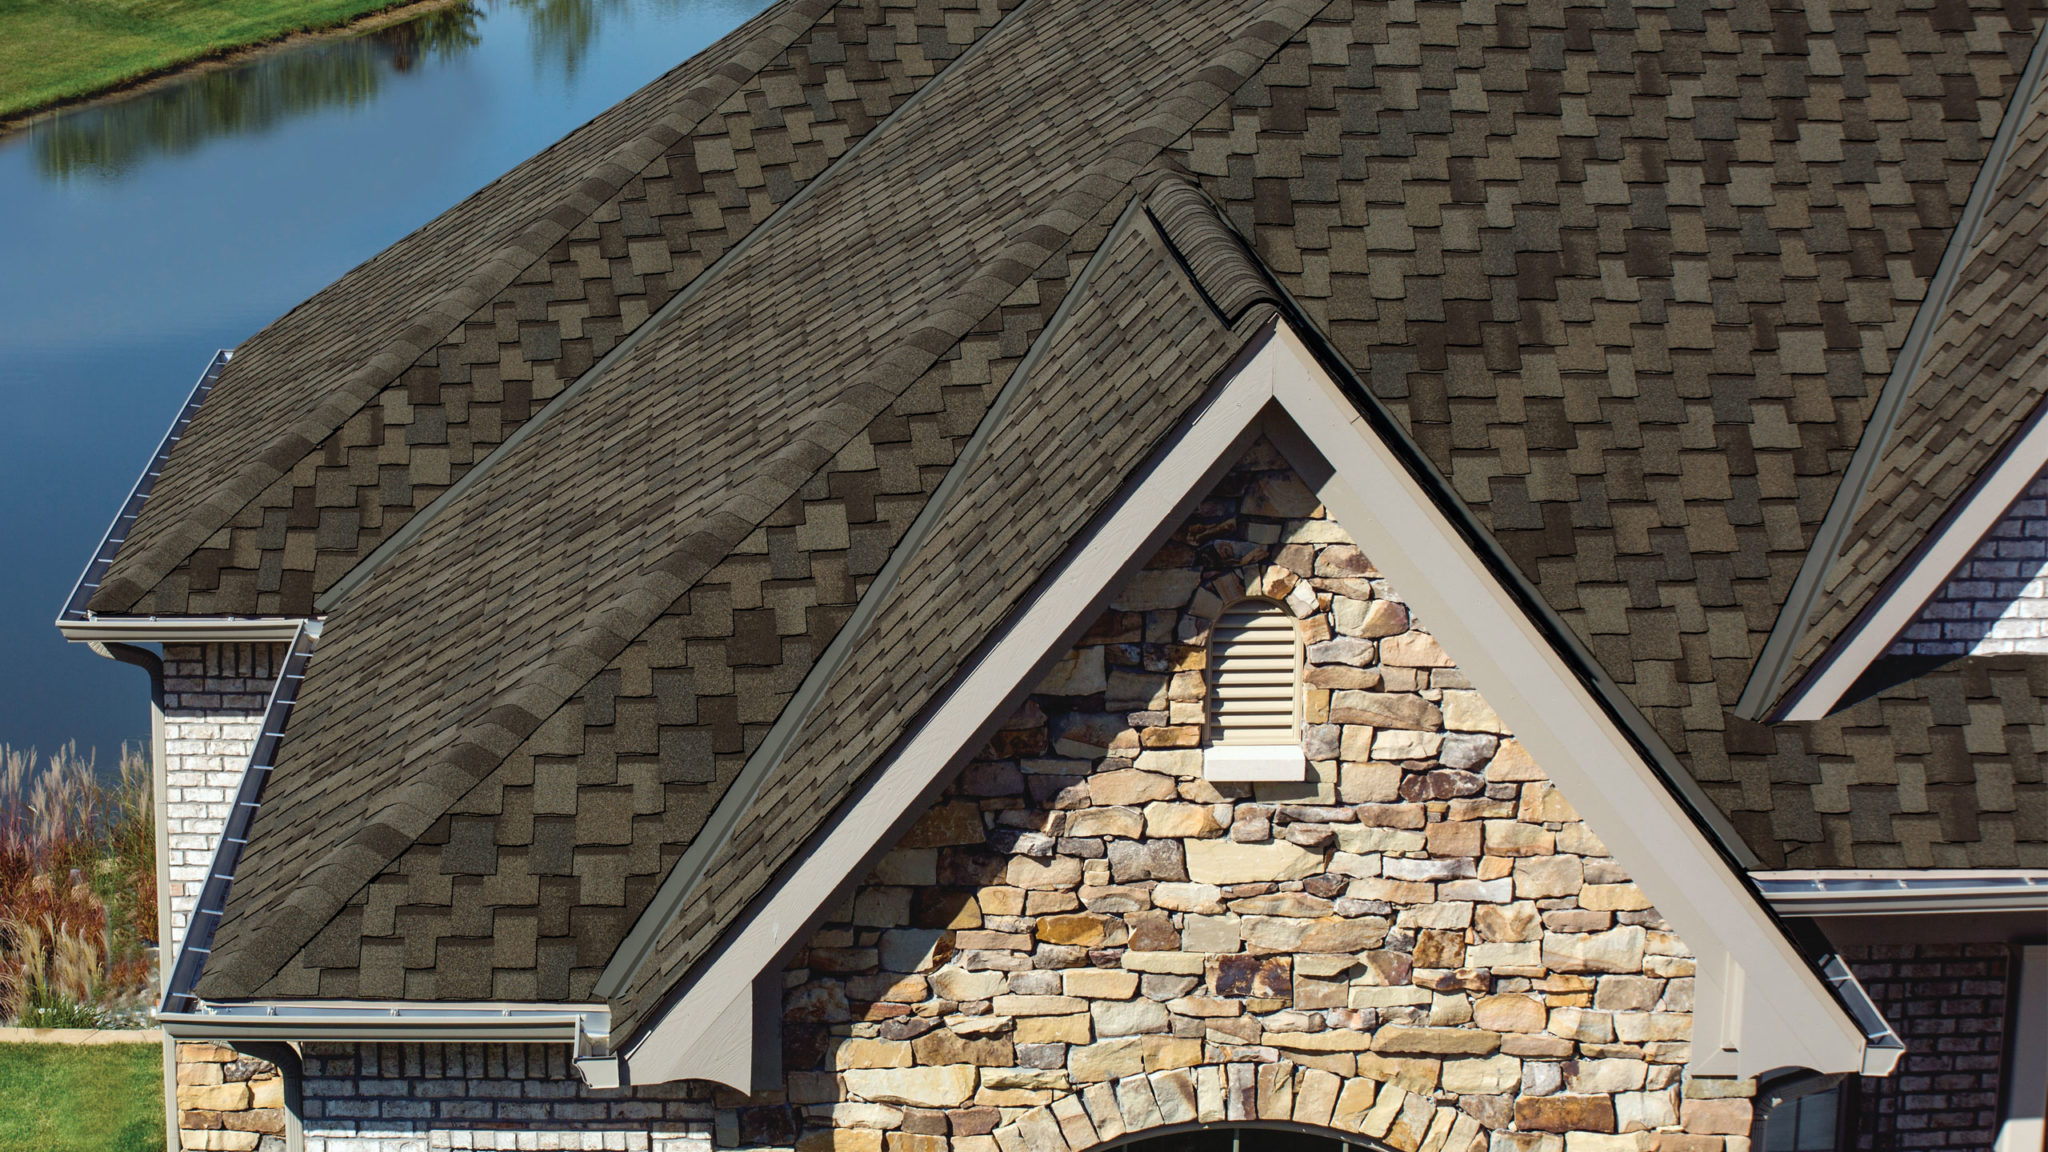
(1248, 758)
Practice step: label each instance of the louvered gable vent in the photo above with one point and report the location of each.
(1255, 662)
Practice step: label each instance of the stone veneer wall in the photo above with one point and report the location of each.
(214, 696)
(1997, 600)
(1948, 1003)
(1423, 944)
(1083, 938)
(228, 1101)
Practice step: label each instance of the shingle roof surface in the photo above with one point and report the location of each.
(1631, 276)
(538, 577)
(1978, 388)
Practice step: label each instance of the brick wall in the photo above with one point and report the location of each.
(1948, 1002)
(214, 695)
(1997, 600)
(412, 1097)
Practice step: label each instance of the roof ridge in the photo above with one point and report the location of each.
(1764, 688)
(473, 750)
(778, 29)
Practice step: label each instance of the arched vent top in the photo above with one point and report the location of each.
(1255, 665)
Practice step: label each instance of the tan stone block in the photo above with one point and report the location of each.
(196, 1074)
(217, 1140)
(1545, 877)
(1379, 1119)
(1097, 983)
(1465, 711)
(1130, 786)
(1512, 1012)
(1514, 838)
(1413, 650)
(1542, 803)
(1729, 1117)
(856, 1115)
(944, 1046)
(1228, 862)
(1412, 1073)
(1107, 1060)
(196, 1053)
(1333, 1040)
(1482, 1077)
(1167, 1052)
(1353, 1101)
(1127, 823)
(1603, 1142)
(941, 1086)
(857, 1053)
(1029, 873)
(1180, 820)
(1436, 1041)
(999, 901)
(1384, 710)
(1508, 923)
(1084, 929)
(959, 984)
(1180, 763)
(1454, 839)
(1606, 1077)
(1565, 1113)
(1171, 963)
(1037, 1005)
(1582, 1024)
(1365, 839)
(1613, 898)
(1512, 764)
(214, 1097)
(1181, 896)
(841, 1140)
(1615, 950)
(1361, 781)
(1070, 1029)
(996, 1079)
(262, 1121)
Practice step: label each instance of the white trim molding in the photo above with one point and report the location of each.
(2023, 1126)
(1903, 891)
(1253, 763)
(1761, 1004)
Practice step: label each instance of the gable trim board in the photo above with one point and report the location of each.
(1837, 671)
(1761, 1004)
(1961, 528)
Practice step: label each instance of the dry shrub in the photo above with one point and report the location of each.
(77, 887)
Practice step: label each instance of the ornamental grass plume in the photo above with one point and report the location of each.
(77, 888)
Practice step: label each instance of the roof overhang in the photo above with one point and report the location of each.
(1761, 1004)
(586, 1028)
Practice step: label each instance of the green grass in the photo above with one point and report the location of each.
(51, 50)
(78, 1098)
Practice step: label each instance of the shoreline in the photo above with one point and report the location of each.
(395, 13)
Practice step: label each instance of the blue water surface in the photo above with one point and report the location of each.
(138, 236)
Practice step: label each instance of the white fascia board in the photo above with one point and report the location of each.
(179, 629)
(1900, 602)
(1903, 891)
(1760, 1005)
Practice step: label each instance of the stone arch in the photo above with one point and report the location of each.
(1280, 1092)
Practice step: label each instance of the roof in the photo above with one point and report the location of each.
(1633, 279)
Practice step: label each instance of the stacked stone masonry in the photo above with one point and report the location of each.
(214, 696)
(1996, 601)
(1948, 1003)
(228, 1101)
(1422, 945)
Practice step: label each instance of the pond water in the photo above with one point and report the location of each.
(140, 235)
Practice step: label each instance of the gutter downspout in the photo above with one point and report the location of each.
(159, 797)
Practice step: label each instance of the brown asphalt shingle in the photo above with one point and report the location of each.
(1631, 276)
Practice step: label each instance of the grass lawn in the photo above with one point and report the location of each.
(51, 49)
(78, 1098)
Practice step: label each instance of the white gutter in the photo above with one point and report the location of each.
(586, 1028)
(93, 629)
(1881, 1046)
(1903, 891)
